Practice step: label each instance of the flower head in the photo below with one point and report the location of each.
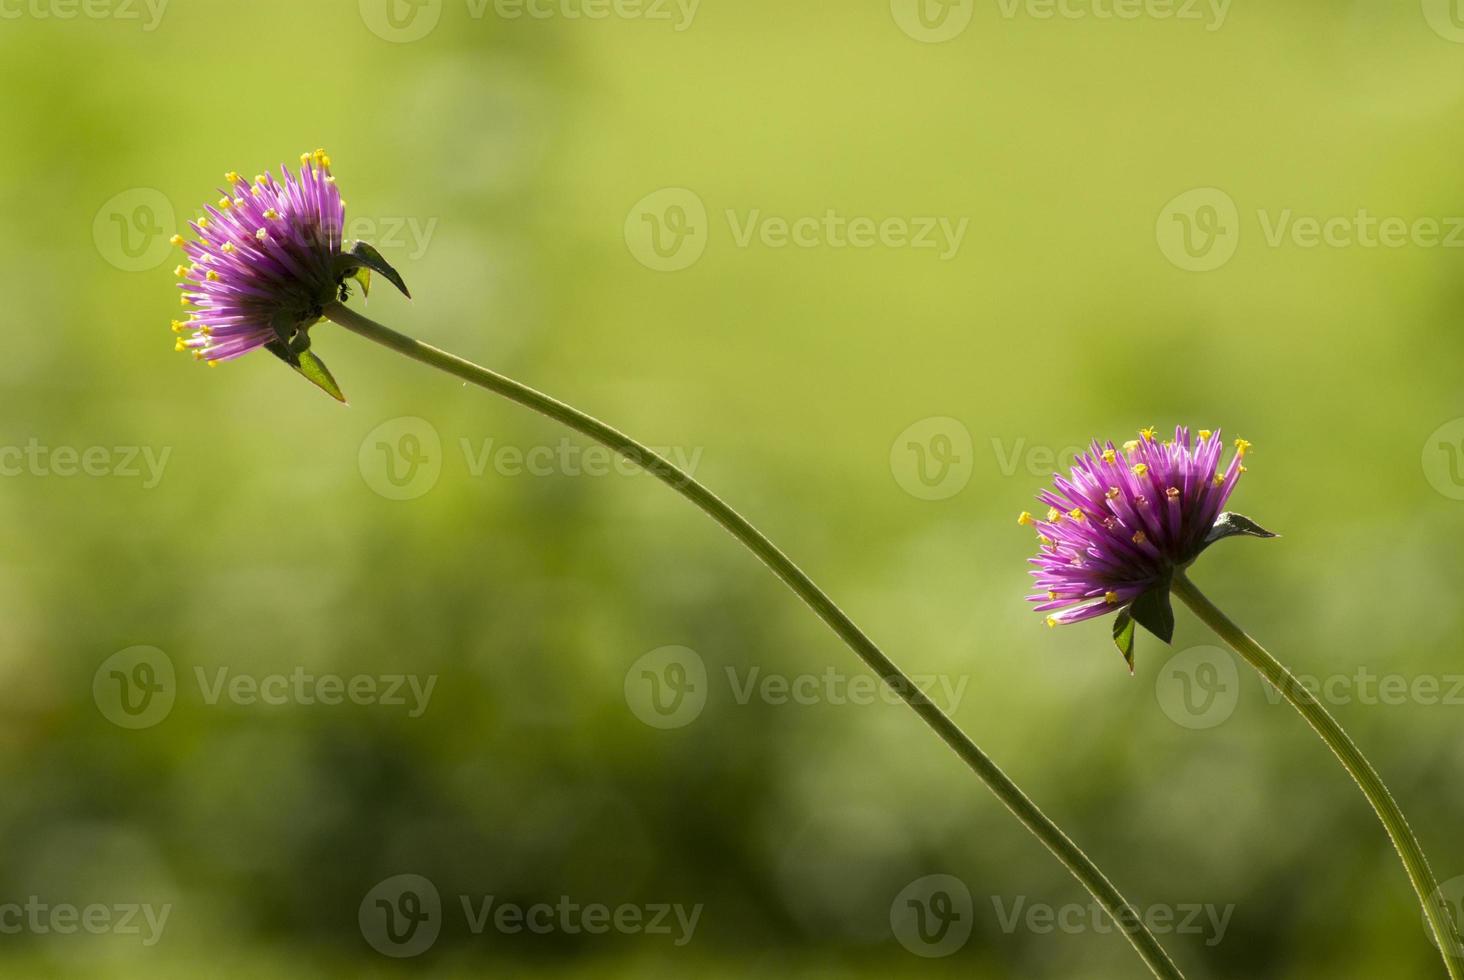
(269, 259)
(1126, 518)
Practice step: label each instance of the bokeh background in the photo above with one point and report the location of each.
(1135, 194)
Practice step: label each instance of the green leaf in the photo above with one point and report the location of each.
(1123, 637)
(313, 369)
(1228, 525)
(361, 260)
(1153, 612)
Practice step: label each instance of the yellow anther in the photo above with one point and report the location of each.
(181, 271)
(1131, 445)
(1053, 515)
(1205, 433)
(272, 215)
(1109, 455)
(1241, 446)
(261, 234)
(1051, 620)
(183, 300)
(322, 159)
(1076, 513)
(180, 346)
(225, 204)
(213, 363)
(1147, 433)
(1110, 597)
(1024, 519)
(330, 180)
(1112, 493)
(228, 248)
(1043, 539)
(305, 159)
(261, 180)
(1052, 595)
(1242, 468)
(1219, 479)
(203, 222)
(1140, 469)
(179, 326)
(177, 240)
(1140, 537)
(212, 276)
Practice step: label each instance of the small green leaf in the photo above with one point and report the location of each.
(1123, 637)
(1228, 525)
(315, 371)
(1153, 612)
(363, 257)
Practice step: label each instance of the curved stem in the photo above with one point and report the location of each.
(1445, 932)
(997, 781)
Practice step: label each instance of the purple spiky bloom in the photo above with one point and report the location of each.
(1126, 518)
(267, 261)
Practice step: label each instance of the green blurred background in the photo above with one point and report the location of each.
(883, 412)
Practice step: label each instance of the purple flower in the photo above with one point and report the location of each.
(268, 261)
(1125, 519)
(265, 264)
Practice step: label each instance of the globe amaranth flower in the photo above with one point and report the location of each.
(269, 258)
(1125, 519)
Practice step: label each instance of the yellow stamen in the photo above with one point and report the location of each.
(212, 276)
(1052, 595)
(177, 240)
(1141, 469)
(179, 346)
(1109, 455)
(1044, 539)
(1053, 515)
(1051, 620)
(305, 159)
(1130, 446)
(203, 222)
(1024, 519)
(322, 159)
(181, 271)
(1113, 493)
(225, 204)
(184, 300)
(1241, 447)
(1110, 597)
(213, 363)
(1140, 537)
(179, 326)
(261, 180)
(1147, 433)
(1219, 479)
(228, 248)
(262, 235)
(1205, 433)
(272, 215)
(1076, 513)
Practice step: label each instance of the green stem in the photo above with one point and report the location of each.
(1445, 932)
(997, 781)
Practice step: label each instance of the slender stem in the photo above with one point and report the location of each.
(1445, 932)
(997, 781)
